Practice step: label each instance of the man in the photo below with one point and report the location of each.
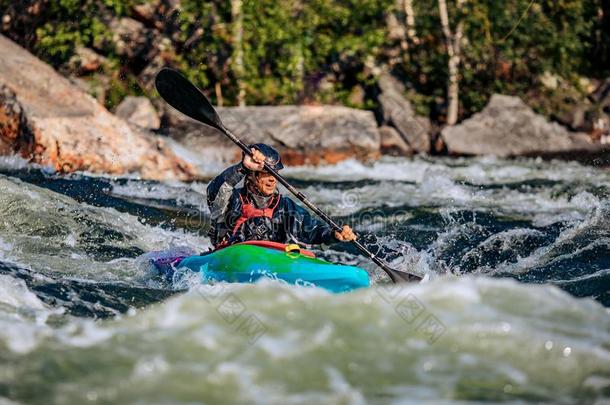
(257, 211)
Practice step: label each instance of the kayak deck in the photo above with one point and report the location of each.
(249, 262)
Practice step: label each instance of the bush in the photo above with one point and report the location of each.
(321, 51)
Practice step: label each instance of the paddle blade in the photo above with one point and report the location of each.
(181, 94)
(402, 277)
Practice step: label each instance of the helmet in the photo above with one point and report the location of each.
(272, 156)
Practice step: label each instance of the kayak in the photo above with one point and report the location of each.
(251, 261)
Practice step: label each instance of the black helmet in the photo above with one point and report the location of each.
(272, 156)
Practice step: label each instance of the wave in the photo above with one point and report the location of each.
(454, 338)
(50, 232)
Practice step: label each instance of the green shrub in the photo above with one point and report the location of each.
(321, 50)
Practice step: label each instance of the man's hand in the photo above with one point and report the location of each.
(256, 162)
(346, 234)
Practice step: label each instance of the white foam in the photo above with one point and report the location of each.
(385, 169)
(54, 220)
(193, 194)
(23, 316)
(15, 293)
(13, 162)
(483, 170)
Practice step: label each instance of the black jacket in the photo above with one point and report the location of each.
(290, 223)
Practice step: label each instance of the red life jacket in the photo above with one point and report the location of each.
(249, 210)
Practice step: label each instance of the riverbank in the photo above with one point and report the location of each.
(48, 120)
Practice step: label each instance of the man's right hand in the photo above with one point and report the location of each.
(256, 162)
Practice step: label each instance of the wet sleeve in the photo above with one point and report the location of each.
(304, 227)
(221, 188)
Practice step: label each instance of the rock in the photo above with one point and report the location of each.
(357, 96)
(138, 111)
(85, 61)
(6, 22)
(601, 127)
(549, 80)
(439, 146)
(578, 121)
(392, 143)
(398, 112)
(508, 127)
(601, 95)
(14, 133)
(304, 134)
(146, 78)
(588, 114)
(145, 12)
(130, 37)
(50, 121)
(576, 106)
(587, 84)
(96, 85)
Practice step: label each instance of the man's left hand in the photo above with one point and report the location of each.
(346, 234)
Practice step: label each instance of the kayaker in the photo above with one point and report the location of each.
(257, 211)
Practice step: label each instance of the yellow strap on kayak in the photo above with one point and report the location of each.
(292, 248)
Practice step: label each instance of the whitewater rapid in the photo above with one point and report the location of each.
(517, 255)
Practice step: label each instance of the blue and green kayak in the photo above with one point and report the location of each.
(251, 261)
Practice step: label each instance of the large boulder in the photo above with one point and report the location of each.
(508, 127)
(50, 121)
(138, 111)
(398, 112)
(304, 134)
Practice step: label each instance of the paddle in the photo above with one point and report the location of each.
(185, 97)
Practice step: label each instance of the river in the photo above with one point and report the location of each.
(513, 309)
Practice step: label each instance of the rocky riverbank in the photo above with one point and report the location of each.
(51, 121)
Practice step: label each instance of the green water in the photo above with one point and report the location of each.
(82, 320)
(491, 340)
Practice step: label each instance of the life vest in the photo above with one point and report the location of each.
(249, 210)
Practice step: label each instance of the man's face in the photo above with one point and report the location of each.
(265, 183)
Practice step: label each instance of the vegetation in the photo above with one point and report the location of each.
(326, 51)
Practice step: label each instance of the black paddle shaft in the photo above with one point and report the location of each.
(185, 97)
